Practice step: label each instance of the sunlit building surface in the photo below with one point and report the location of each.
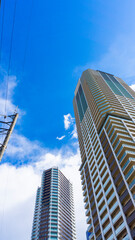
(54, 209)
(104, 107)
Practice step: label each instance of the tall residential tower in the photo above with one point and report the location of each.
(54, 209)
(104, 107)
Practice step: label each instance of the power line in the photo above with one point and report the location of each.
(10, 52)
(27, 36)
(1, 39)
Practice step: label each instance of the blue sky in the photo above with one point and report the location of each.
(61, 37)
(53, 42)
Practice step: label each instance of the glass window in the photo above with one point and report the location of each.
(81, 103)
(121, 88)
(111, 84)
(79, 107)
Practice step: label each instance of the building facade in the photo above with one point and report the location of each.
(104, 107)
(54, 208)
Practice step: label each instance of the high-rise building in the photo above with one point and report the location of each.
(104, 107)
(54, 209)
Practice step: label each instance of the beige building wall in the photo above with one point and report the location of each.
(104, 109)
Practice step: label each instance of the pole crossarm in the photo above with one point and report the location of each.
(6, 131)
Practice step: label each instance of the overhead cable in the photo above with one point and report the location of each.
(10, 53)
(28, 35)
(1, 38)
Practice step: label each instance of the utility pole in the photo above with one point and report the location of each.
(6, 129)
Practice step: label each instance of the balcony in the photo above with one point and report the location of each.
(121, 187)
(106, 182)
(114, 207)
(97, 229)
(132, 184)
(102, 210)
(94, 173)
(133, 233)
(99, 193)
(92, 204)
(103, 170)
(89, 184)
(89, 227)
(108, 190)
(131, 218)
(100, 162)
(126, 237)
(85, 192)
(95, 178)
(87, 213)
(109, 159)
(115, 171)
(82, 174)
(104, 219)
(95, 220)
(91, 196)
(111, 166)
(115, 219)
(120, 228)
(84, 186)
(86, 198)
(89, 220)
(91, 236)
(99, 237)
(86, 206)
(111, 238)
(101, 200)
(97, 186)
(90, 191)
(107, 228)
(103, 177)
(83, 181)
(124, 197)
(128, 207)
(117, 179)
(94, 211)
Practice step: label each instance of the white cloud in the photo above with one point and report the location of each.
(10, 107)
(17, 185)
(49, 160)
(18, 191)
(60, 138)
(17, 222)
(68, 121)
(10, 89)
(133, 86)
(12, 83)
(74, 132)
(21, 147)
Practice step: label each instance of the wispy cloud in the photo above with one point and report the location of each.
(118, 60)
(69, 124)
(60, 138)
(9, 90)
(74, 132)
(68, 121)
(21, 148)
(3, 89)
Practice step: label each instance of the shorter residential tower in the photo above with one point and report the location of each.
(54, 209)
